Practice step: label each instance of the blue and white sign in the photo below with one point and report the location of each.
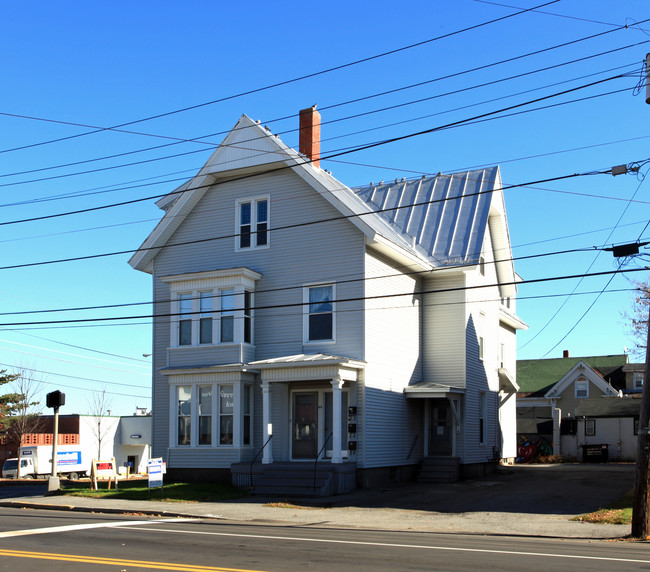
(64, 458)
(155, 470)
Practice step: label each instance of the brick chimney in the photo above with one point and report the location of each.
(310, 134)
(565, 354)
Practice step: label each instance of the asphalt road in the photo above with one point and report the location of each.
(34, 540)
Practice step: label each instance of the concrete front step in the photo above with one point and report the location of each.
(439, 470)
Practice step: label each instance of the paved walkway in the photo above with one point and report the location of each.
(528, 501)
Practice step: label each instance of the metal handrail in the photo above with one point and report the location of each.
(250, 472)
(413, 446)
(318, 457)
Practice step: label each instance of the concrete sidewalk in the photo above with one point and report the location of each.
(534, 501)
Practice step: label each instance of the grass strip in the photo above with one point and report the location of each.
(619, 512)
(170, 492)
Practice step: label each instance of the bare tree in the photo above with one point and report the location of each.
(25, 415)
(100, 407)
(636, 319)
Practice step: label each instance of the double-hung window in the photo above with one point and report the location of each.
(481, 336)
(185, 320)
(227, 316)
(184, 412)
(253, 223)
(482, 417)
(226, 408)
(319, 319)
(247, 411)
(205, 415)
(205, 320)
(248, 317)
(582, 388)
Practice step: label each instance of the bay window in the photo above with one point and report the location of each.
(212, 415)
(214, 307)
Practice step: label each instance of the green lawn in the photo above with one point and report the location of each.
(171, 492)
(619, 512)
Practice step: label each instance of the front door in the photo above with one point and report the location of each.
(440, 427)
(305, 425)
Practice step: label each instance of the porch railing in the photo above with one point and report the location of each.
(413, 446)
(250, 473)
(318, 457)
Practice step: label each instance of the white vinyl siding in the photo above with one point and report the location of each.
(337, 249)
(390, 423)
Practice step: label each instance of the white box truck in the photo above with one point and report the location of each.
(36, 461)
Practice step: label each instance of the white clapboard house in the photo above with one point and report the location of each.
(309, 337)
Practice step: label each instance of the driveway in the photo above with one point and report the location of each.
(564, 489)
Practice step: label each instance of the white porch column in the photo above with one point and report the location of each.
(336, 421)
(267, 454)
(557, 434)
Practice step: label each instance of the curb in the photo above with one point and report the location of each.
(107, 510)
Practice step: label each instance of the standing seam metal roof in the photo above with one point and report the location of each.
(444, 217)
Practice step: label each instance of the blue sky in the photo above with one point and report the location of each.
(106, 64)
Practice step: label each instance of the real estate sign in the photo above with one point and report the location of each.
(155, 470)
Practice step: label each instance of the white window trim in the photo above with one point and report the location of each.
(237, 414)
(236, 279)
(253, 201)
(482, 416)
(638, 380)
(305, 313)
(586, 384)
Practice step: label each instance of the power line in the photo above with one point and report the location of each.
(478, 118)
(337, 301)
(72, 376)
(340, 279)
(178, 140)
(421, 100)
(288, 226)
(285, 82)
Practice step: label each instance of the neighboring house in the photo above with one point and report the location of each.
(128, 438)
(298, 320)
(575, 402)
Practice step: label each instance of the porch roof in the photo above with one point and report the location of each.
(307, 367)
(507, 382)
(429, 389)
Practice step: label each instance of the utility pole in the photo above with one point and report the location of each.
(640, 512)
(640, 508)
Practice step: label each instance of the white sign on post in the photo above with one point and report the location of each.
(155, 470)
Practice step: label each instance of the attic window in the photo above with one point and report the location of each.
(252, 223)
(582, 388)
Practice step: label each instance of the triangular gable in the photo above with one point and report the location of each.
(249, 148)
(580, 369)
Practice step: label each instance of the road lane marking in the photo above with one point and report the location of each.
(396, 545)
(118, 562)
(74, 527)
